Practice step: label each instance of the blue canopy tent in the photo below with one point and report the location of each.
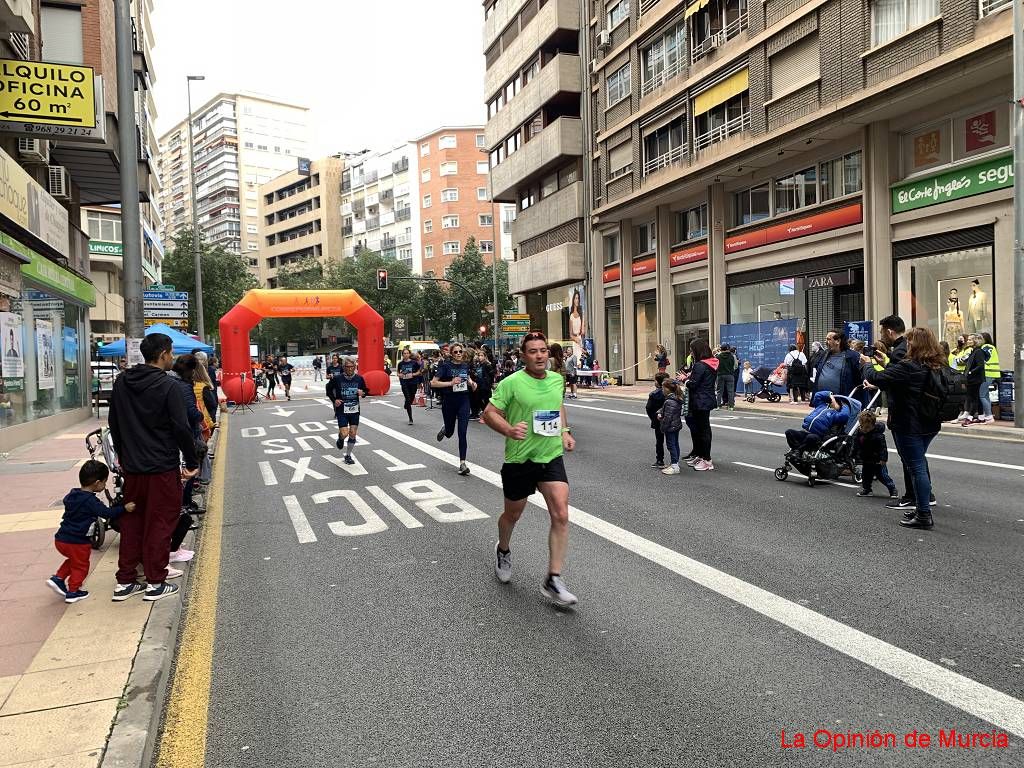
(181, 344)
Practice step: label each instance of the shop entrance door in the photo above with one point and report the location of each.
(646, 338)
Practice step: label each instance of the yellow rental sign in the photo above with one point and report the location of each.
(47, 94)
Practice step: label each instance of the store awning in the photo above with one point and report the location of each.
(721, 93)
(692, 8)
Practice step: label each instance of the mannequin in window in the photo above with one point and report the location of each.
(953, 319)
(978, 318)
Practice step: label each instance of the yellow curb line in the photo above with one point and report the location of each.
(183, 738)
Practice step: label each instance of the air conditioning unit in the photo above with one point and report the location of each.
(59, 182)
(604, 39)
(593, 66)
(714, 41)
(35, 150)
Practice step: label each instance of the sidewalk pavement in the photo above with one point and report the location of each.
(63, 668)
(1002, 430)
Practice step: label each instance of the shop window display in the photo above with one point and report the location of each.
(691, 317)
(760, 302)
(951, 293)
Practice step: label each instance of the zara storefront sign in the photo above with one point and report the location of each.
(970, 180)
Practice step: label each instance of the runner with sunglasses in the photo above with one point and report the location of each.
(454, 379)
(527, 409)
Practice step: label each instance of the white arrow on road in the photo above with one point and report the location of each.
(282, 412)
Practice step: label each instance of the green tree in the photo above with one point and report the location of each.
(226, 278)
(469, 269)
(401, 299)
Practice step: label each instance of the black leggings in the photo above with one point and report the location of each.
(409, 388)
(454, 409)
(180, 531)
(699, 423)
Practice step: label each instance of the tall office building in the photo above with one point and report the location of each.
(454, 198)
(300, 216)
(811, 163)
(534, 136)
(241, 141)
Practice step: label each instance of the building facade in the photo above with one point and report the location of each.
(241, 142)
(379, 209)
(809, 163)
(300, 217)
(535, 140)
(454, 198)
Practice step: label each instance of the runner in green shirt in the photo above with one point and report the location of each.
(527, 409)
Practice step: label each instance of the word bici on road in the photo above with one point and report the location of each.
(302, 444)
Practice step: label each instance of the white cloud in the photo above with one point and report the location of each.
(372, 72)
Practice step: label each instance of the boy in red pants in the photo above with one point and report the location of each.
(81, 511)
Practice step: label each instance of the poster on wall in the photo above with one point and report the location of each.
(70, 351)
(578, 331)
(763, 344)
(44, 354)
(13, 357)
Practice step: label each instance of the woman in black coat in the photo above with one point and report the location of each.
(703, 399)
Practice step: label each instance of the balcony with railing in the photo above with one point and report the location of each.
(676, 156)
(403, 239)
(346, 230)
(717, 39)
(373, 222)
(721, 132)
(400, 165)
(660, 78)
(990, 7)
(403, 214)
(387, 217)
(387, 242)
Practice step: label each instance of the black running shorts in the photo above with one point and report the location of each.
(520, 480)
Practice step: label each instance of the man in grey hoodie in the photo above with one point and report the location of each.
(149, 425)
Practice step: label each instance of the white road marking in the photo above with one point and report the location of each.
(302, 470)
(372, 522)
(397, 465)
(385, 402)
(280, 411)
(394, 507)
(795, 472)
(353, 469)
(269, 478)
(937, 456)
(972, 697)
(299, 520)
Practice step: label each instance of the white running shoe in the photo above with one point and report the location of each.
(174, 573)
(692, 460)
(181, 556)
(672, 470)
(554, 589)
(502, 565)
(703, 466)
(988, 419)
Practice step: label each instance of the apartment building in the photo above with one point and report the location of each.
(379, 210)
(535, 141)
(241, 141)
(300, 215)
(810, 163)
(454, 198)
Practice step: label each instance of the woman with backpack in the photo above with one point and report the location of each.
(916, 390)
(799, 382)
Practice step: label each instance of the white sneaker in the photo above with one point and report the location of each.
(502, 565)
(703, 466)
(181, 556)
(672, 470)
(692, 460)
(554, 589)
(174, 573)
(988, 419)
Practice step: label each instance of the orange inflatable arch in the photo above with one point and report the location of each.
(260, 303)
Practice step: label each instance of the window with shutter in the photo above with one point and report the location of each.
(619, 159)
(62, 34)
(795, 66)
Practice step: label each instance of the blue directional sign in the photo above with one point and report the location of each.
(166, 295)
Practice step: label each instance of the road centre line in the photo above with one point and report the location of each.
(937, 681)
(718, 425)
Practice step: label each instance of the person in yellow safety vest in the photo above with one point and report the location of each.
(991, 374)
(879, 363)
(958, 357)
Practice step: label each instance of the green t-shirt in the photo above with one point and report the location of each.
(537, 402)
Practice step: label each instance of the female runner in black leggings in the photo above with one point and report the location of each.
(455, 379)
(410, 375)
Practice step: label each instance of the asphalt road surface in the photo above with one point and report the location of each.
(722, 615)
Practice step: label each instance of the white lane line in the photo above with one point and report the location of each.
(299, 520)
(719, 425)
(937, 681)
(269, 478)
(794, 472)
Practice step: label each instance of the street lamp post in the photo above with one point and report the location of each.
(200, 324)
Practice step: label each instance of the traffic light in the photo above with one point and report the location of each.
(382, 279)
(483, 329)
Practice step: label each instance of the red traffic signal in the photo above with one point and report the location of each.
(382, 279)
(483, 329)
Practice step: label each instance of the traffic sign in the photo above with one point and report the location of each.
(171, 321)
(168, 295)
(164, 304)
(165, 313)
(514, 316)
(44, 93)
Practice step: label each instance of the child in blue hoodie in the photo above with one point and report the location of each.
(828, 412)
(81, 511)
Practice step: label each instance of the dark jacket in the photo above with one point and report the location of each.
(903, 383)
(824, 417)
(702, 385)
(726, 363)
(194, 415)
(149, 422)
(871, 447)
(655, 400)
(850, 373)
(974, 368)
(210, 401)
(898, 350)
(672, 415)
(81, 508)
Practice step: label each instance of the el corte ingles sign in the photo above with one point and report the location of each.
(963, 182)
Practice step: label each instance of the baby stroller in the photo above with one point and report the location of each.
(765, 377)
(99, 442)
(836, 452)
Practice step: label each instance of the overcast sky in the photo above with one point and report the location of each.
(372, 72)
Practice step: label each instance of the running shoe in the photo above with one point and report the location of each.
(865, 493)
(704, 465)
(900, 502)
(671, 470)
(181, 556)
(74, 597)
(502, 565)
(349, 460)
(124, 591)
(410, 422)
(174, 573)
(658, 465)
(463, 469)
(57, 584)
(440, 435)
(340, 443)
(554, 589)
(159, 591)
(692, 460)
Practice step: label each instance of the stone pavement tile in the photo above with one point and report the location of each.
(28, 589)
(6, 686)
(87, 618)
(25, 540)
(20, 558)
(41, 569)
(67, 686)
(81, 760)
(59, 650)
(55, 733)
(15, 659)
(29, 620)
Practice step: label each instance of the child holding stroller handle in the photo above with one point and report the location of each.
(874, 454)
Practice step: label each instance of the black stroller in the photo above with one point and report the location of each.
(763, 376)
(836, 453)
